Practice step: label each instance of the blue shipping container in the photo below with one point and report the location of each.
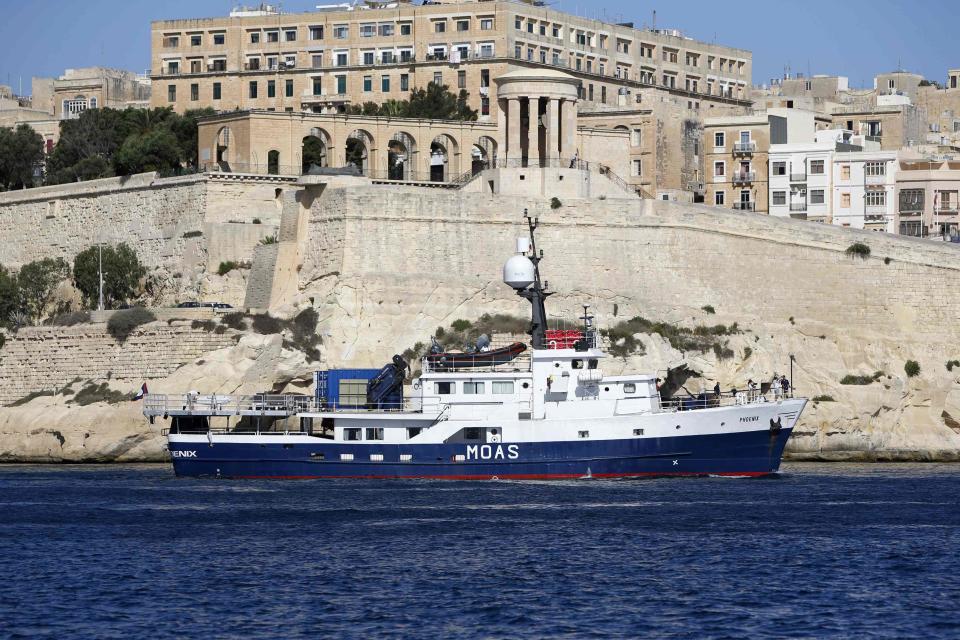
(328, 384)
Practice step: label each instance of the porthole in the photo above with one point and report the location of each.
(606, 388)
(678, 426)
(526, 385)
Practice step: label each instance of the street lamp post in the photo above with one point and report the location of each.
(100, 271)
(793, 383)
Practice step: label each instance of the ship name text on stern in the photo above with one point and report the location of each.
(488, 452)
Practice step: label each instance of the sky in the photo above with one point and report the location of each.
(854, 38)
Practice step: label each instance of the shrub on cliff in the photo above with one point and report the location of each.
(122, 323)
(850, 379)
(555, 203)
(69, 319)
(36, 283)
(121, 274)
(911, 368)
(8, 295)
(226, 267)
(858, 250)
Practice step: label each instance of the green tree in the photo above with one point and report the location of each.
(313, 152)
(121, 274)
(155, 150)
(86, 147)
(9, 295)
(185, 129)
(21, 153)
(37, 281)
(436, 102)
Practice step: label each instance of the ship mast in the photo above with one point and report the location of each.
(537, 292)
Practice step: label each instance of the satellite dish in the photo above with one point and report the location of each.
(518, 272)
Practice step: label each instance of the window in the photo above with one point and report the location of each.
(629, 388)
(719, 140)
(875, 198)
(196, 41)
(271, 88)
(368, 57)
(443, 388)
(816, 167)
(484, 105)
(593, 363)
(529, 26)
(816, 196)
(316, 33)
(374, 433)
(219, 64)
(216, 90)
(463, 25)
(368, 30)
(484, 77)
(341, 58)
(637, 168)
(719, 198)
(171, 42)
(473, 388)
(875, 168)
(576, 364)
(638, 432)
(341, 85)
(194, 91)
(636, 137)
(317, 87)
(404, 82)
(385, 84)
(273, 36)
(290, 35)
(173, 67)
(911, 200)
(780, 197)
(503, 387)
(316, 60)
(844, 200)
(352, 434)
(461, 79)
(405, 29)
(440, 26)
(253, 64)
(288, 88)
(845, 172)
(583, 434)
(386, 29)
(779, 168)
(413, 432)
(518, 24)
(873, 128)
(719, 169)
(471, 433)
(367, 83)
(386, 57)
(171, 93)
(341, 31)
(556, 31)
(438, 77)
(254, 37)
(486, 24)
(253, 89)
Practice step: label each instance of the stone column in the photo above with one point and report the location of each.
(514, 150)
(502, 127)
(553, 129)
(568, 148)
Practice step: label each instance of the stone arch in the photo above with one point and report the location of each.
(273, 162)
(483, 154)
(360, 149)
(315, 150)
(444, 158)
(401, 156)
(224, 140)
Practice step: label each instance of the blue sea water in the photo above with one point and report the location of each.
(822, 551)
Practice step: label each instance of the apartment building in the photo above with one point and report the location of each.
(928, 197)
(325, 60)
(76, 90)
(894, 126)
(736, 154)
(864, 189)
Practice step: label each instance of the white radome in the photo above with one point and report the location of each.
(518, 272)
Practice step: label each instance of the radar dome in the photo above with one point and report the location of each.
(518, 272)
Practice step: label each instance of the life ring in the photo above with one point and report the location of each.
(416, 385)
(552, 344)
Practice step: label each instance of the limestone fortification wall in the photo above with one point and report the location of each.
(38, 359)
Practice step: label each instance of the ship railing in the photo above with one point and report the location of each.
(709, 400)
(271, 405)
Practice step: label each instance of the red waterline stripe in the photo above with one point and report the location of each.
(552, 476)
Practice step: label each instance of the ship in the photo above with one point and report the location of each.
(490, 413)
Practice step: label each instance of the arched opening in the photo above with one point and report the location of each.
(443, 158)
(313, 152)
(273, 162)
(359, 145)
(401, 152)
(483, 155)
(223, 147)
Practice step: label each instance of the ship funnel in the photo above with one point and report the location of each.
(518, 272)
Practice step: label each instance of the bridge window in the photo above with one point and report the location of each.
(638, 432)
(352, 434)
(374, 433)
(471, 433)
(583, 434)
(592, 363)
(473, 388)
(444, 388)
(630, 388)
(413, 432)
(503, 387)
(578, 364)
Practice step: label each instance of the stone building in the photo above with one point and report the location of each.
(324, 60)
(736, 153)
(928, 197)
(77, 90)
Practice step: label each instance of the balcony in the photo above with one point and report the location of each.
(798, 177)
(743, 177)
(744, 148)
(798, 207)
(946, 210)
(745, 206)
(437, 55)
